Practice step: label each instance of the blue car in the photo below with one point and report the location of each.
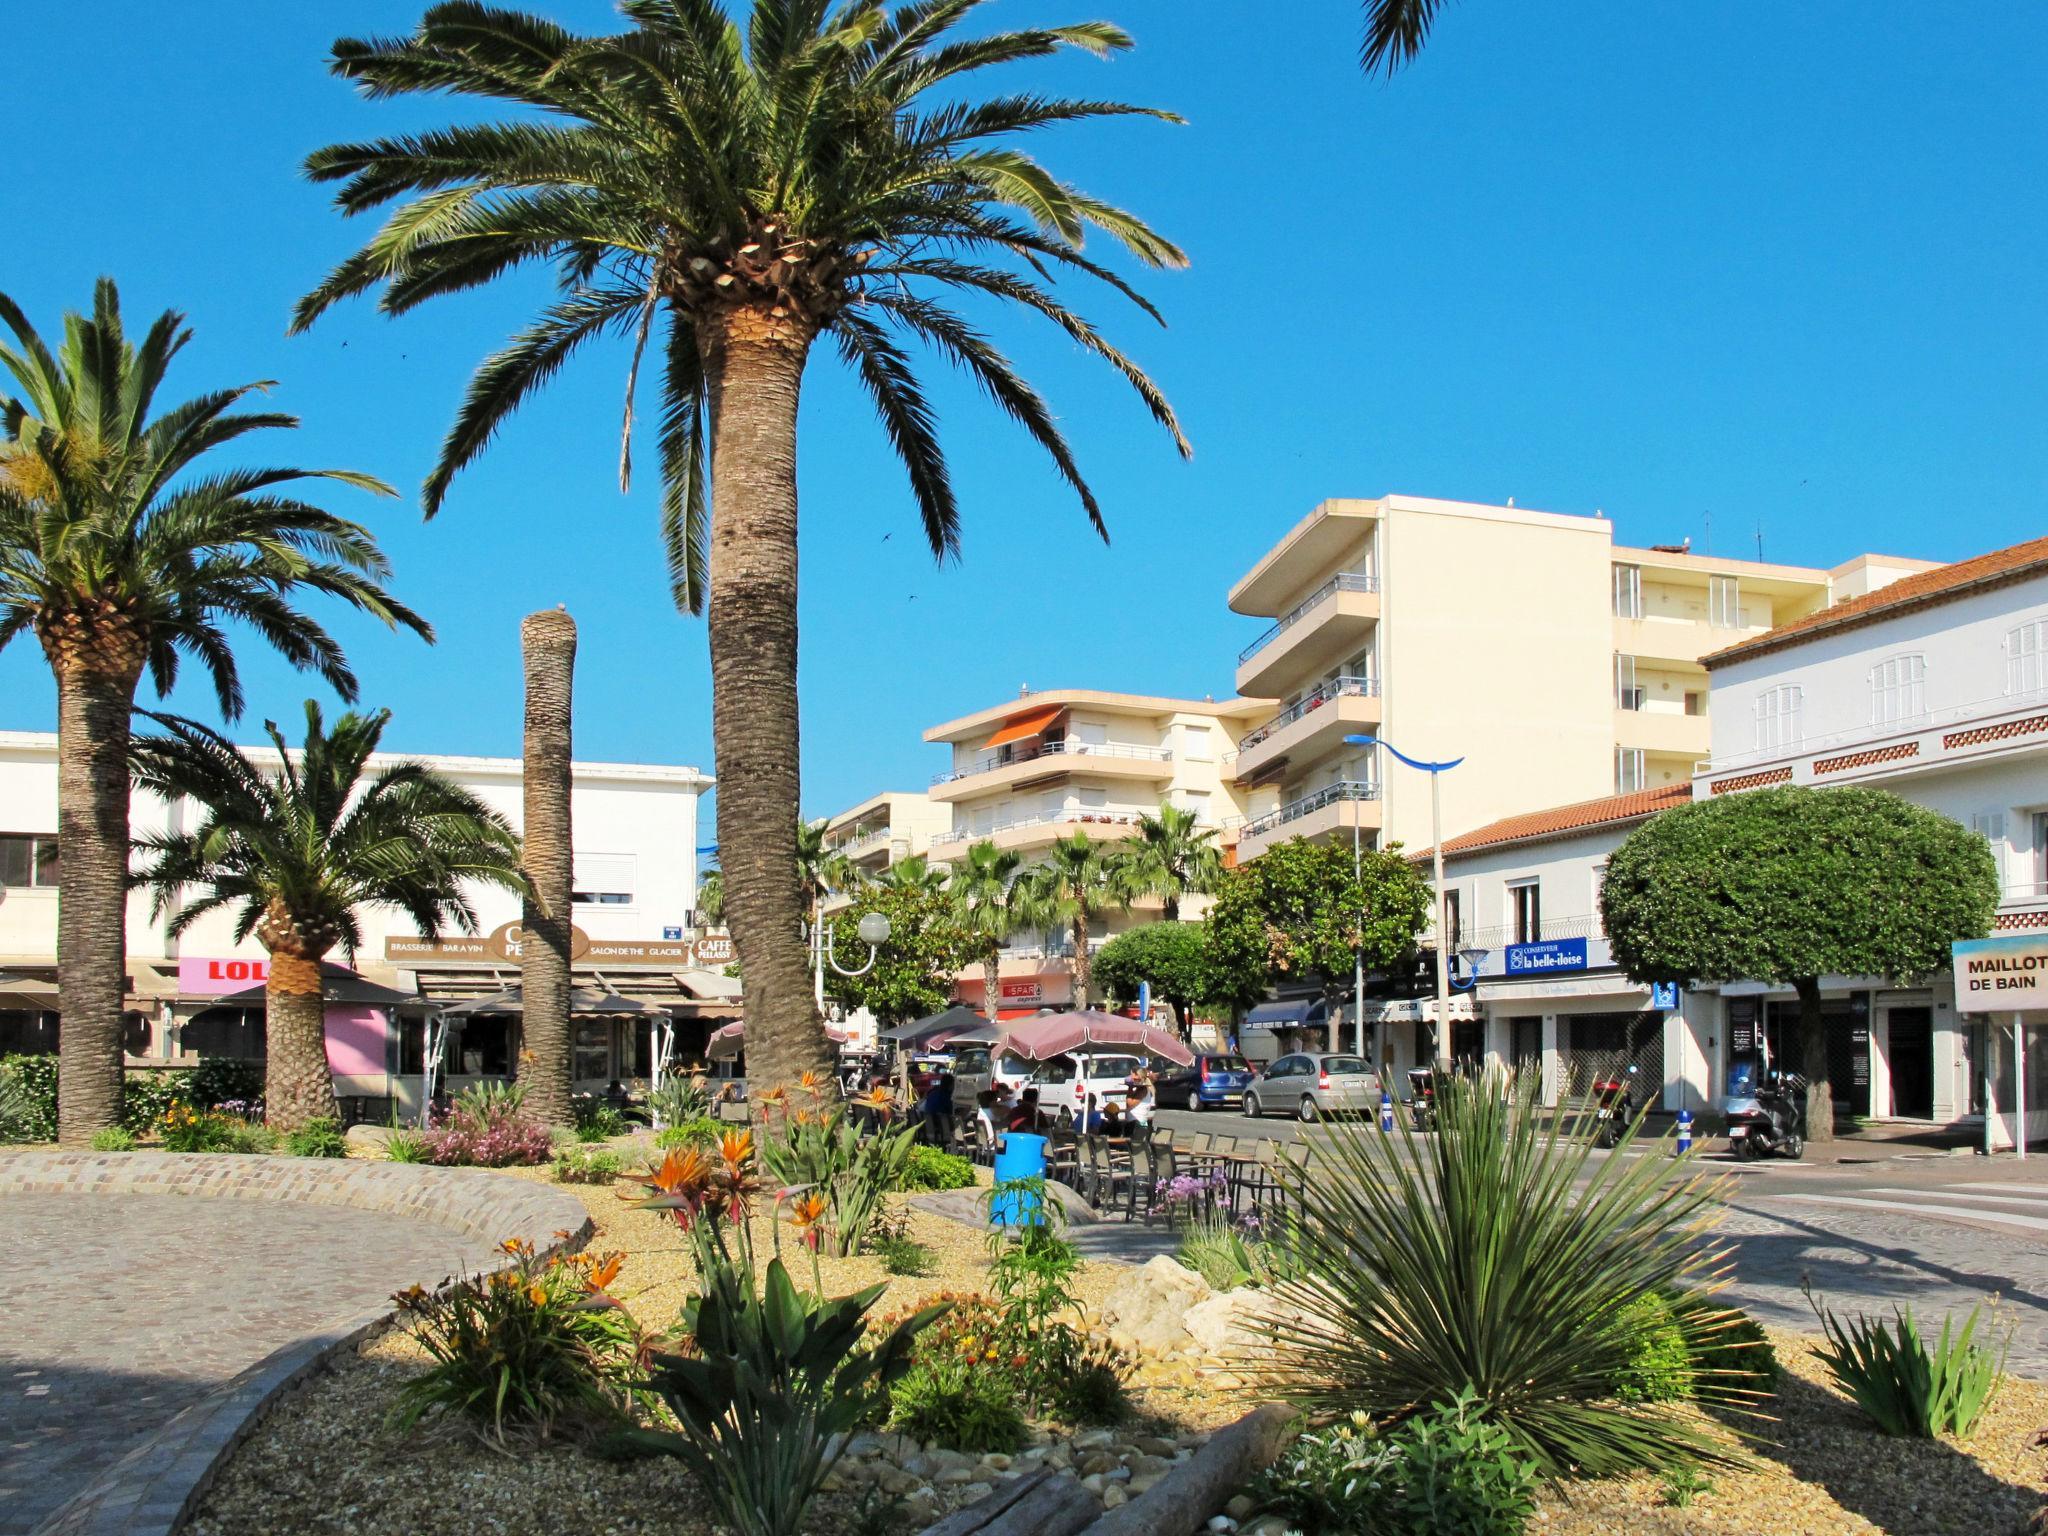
(1214, 1081)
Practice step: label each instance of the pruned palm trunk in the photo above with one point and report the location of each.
(1082, 965)
(991, 982)
(96, 678)
(548, 643)
(1813, 1062)
(297, 1083)
(753, 363)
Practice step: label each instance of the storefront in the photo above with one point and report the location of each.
(2002, 993)
(1019, 996)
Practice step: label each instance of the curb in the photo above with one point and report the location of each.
(155, 1487)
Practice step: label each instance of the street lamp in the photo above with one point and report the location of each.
(874, 932)
(1473, 958)
(1436, 771)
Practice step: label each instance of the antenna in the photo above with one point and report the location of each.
(1759, 541)
(1707, 542)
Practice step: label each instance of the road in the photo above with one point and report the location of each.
(1901, 1226)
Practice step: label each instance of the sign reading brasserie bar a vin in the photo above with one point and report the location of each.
(711, 950)
(2003, 975)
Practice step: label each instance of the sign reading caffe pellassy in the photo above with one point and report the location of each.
(503, 944)
(2003, 975)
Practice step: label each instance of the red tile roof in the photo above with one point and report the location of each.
(1923, 589)
(1563, 820)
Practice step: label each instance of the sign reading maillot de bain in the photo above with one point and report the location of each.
(199, 976)
(2002, 975)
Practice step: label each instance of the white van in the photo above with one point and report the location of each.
(1065, 1082)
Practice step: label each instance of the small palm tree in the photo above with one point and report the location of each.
(1395, 31)
(821, 870)
(122, 556)
(298, 850)
(1173, 856)
(1075, 885)
(732, 194)
(913, 872)
(983, 889)
(711, 897)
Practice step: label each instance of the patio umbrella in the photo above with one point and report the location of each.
(729, 1040)
(584, 1003)
(934, 1029)
(1050, 1034)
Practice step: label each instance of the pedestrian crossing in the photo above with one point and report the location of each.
(2015, 1207)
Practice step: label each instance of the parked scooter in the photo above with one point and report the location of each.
(1614, 1108)
(1422, 1098)
(1770, 1124)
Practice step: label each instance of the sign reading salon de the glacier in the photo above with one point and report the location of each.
(2002, 975)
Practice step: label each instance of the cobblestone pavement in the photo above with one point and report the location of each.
(124, 1309)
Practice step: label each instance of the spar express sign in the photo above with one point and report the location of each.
(2003, 975)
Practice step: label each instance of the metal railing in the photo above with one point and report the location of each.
(1341, 688)
(1069, 747)
(1343, 581)
(1083, 819)
(1976, 712)
(1343, 789)
(862, 841)
(1501, 935)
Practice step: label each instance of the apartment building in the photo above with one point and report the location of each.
(1054, 762)
(1558, 665)
(885, 829)
(1933, 686)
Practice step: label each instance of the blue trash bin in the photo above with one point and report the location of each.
(1022, 1157)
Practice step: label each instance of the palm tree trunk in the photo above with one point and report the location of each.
(991, 982)
(753, 363)
(96, 681)
(548, 643)
(1082, 965)
(297, 1083)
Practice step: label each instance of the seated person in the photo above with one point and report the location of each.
(1091, 1117)
(1114, 1122)
(936, 1110)
(985, 1117)
(1025, 1116)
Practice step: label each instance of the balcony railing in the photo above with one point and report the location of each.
(1343, 581)
(862, 841)
(1342, 688)
(1080, 819)
(1344, 789)
(1068, 747)
(1501, 935)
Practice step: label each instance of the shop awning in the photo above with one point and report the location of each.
(28, 993)
(1017, 727)
(1297, 1013)
(935, 1028)
(338, 984)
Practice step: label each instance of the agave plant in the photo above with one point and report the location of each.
(1498, 1258)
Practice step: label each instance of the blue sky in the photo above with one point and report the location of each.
(1639, 257)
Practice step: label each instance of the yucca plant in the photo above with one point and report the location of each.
(1498, 1258)
(1907, 1388)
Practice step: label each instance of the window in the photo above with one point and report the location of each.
(602, 880)
(1454, 925)
(1092, 799)
(1777, 717)
(2026, 658)
(2040, 853)
(1088, 734)
(1628, 591)
(1599, 890)
(1627, 693)
(1695, 702)
(1629, 773)
(1990, 825)
(27, 860)
(1898, 690)
(1724, 602)
(1525, 911)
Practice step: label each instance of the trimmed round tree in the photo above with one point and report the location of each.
(1790, 885)
(914, 970)
(1169, 955)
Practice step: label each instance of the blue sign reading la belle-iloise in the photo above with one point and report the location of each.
(1543, 959)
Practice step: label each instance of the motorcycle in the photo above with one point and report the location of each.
(1422, 1099)
(1768, 1125)
(1614, 1108)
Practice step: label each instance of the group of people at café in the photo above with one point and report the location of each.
(1000, 1110)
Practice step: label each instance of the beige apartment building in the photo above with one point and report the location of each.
(1054, 762)
(886, 829)
(1557, 664)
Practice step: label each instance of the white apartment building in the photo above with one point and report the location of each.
(635, 873)
(1934, 687)
(1054, 762)
(1557, 664)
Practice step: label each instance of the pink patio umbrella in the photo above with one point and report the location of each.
(727, 1042)
(1050, 1034)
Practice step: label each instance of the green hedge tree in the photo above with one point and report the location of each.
(1790, 885)
(1296, 911)
(913, 972)
(1169, 955)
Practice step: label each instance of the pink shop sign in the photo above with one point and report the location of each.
(201, 977)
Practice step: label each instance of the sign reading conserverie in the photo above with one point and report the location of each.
(2003, 975)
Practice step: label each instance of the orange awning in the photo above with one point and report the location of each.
(1017, 728)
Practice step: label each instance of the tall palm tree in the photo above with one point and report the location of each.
(821, 870)
(983, 888)
(1074, 886)
(1172, 857)
(547, 642)
(913, 872)
(711, 897)
(122, 557)
(732, 195)
(1395, 31)
(298, 849)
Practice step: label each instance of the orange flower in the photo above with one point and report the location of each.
(603, 1274)
(802, 1117)
(682, 1172)
(537, 1294)
(808, 1082)
(737, 1148)
(776, 1097)
(518, 1247)
(807, 1211)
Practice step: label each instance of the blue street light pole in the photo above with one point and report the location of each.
(1436, 771)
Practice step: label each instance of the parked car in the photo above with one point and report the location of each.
(1064, 1082)
(1216, 1079)
(976, 1068)
(1311, 1084)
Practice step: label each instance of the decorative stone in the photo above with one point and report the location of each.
(1149, 1305)
(1093, 1440)
(996, 1461)
(1153, 1445)
(1142, 1465)
(1241, 1507)
(1113, 1496)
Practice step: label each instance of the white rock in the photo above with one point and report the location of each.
(1149, 1305)
(1094, 1440)
(1113, 1497)
(1222, 1523)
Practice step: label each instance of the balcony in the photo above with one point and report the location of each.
(1311, 730)
(1338, 807)
(1039, 831)
(1665, 733)
(1316, 632)
(1683, 641)
(862, 841)
(1053, 759)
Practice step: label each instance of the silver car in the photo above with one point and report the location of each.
(1311, 1084)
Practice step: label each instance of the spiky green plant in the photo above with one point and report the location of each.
(1496, 1257)
(1907, 1388)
